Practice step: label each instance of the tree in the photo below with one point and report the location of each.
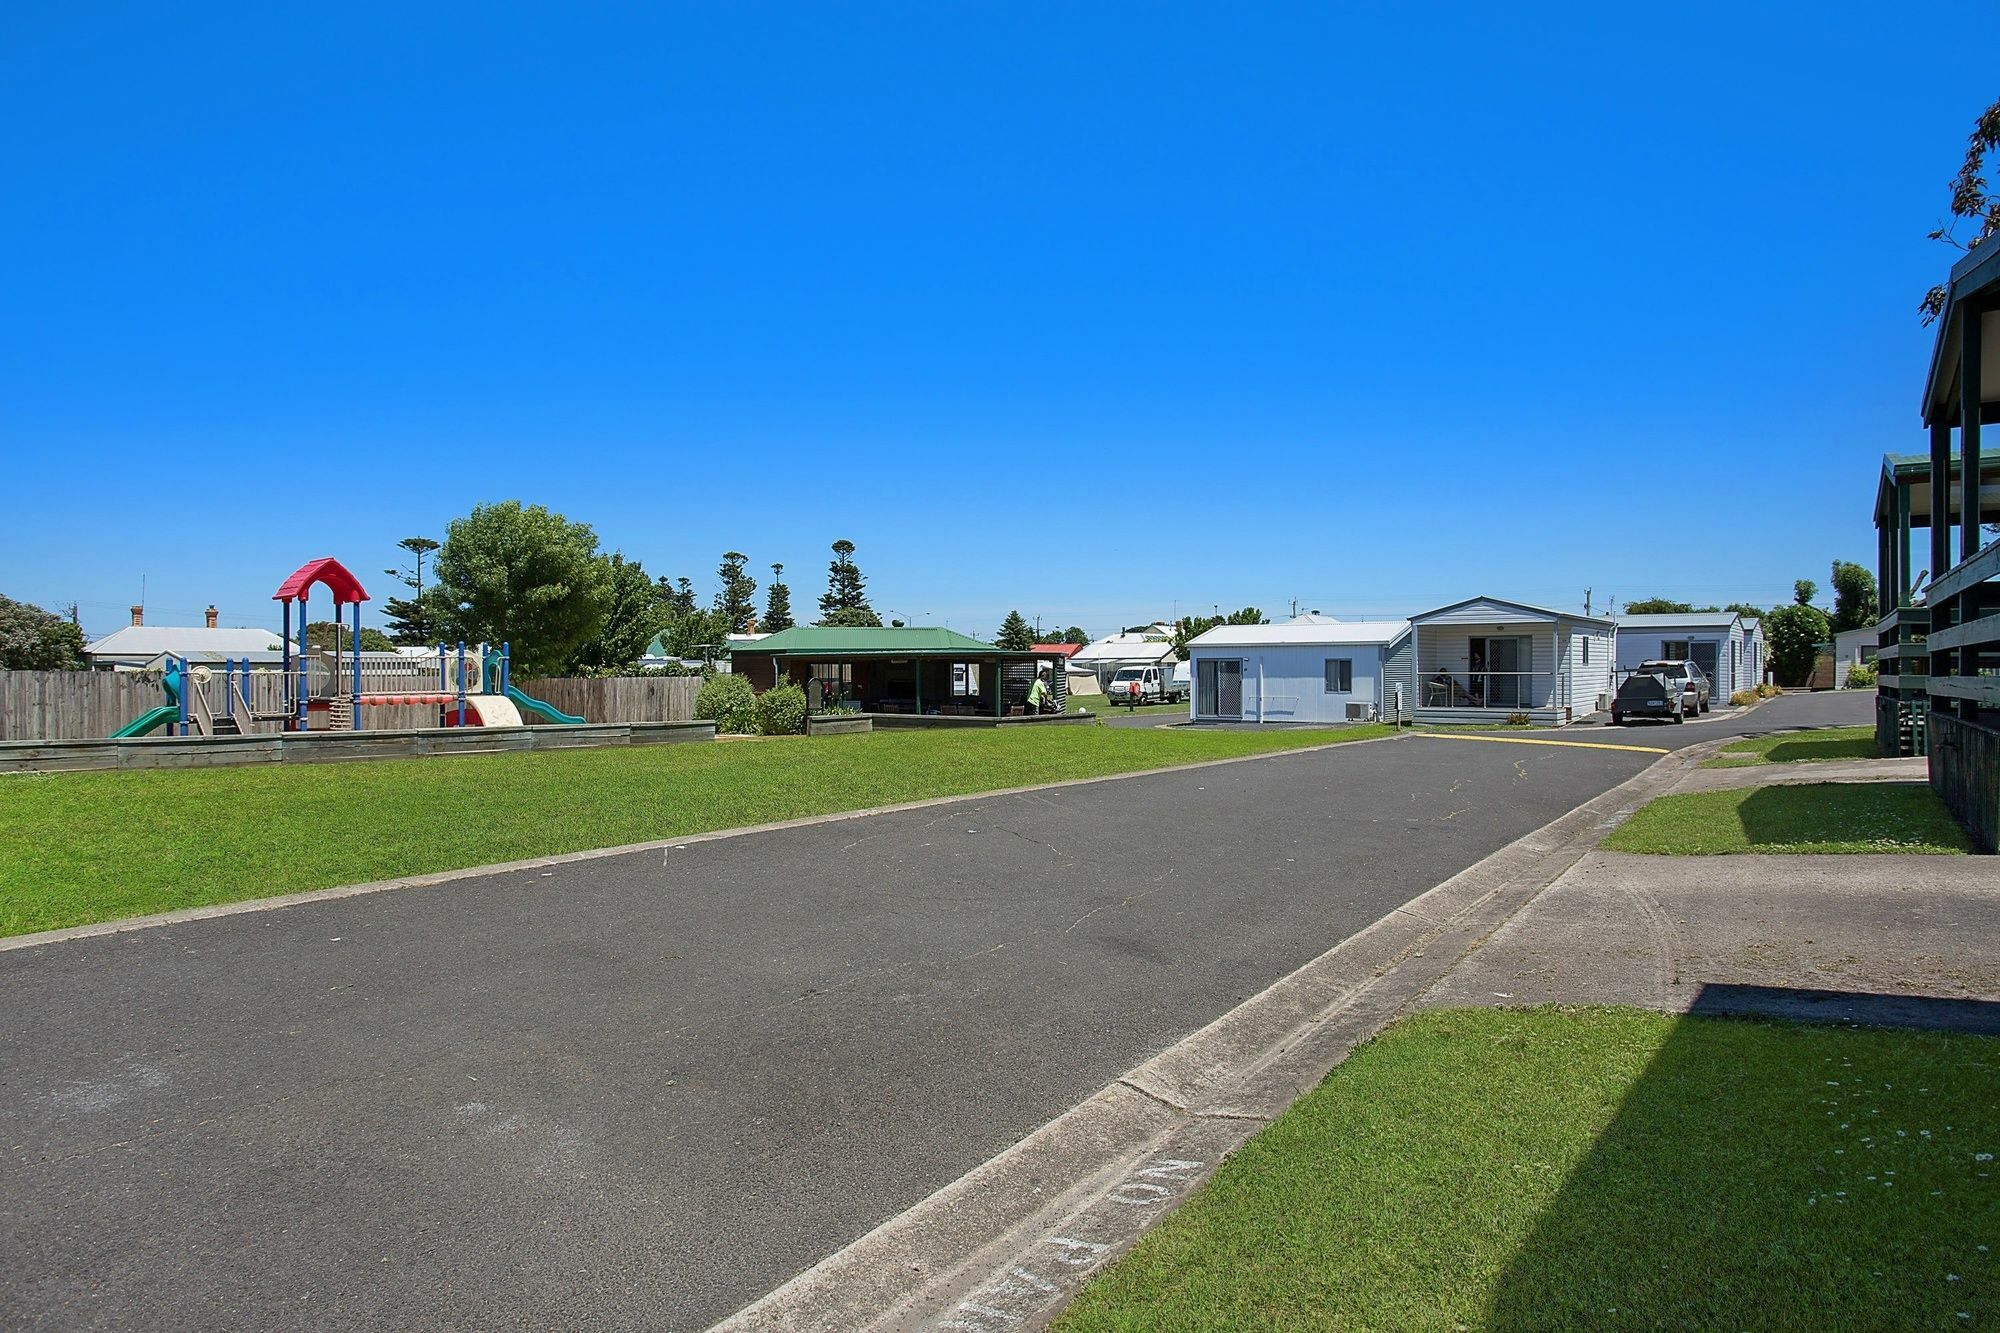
(1745, 609)
(735, 600)
(1074, 634)
(777, 602)
(1014, 635)
(32, 639)
(1853, 596)
(409, 619)
(1795, 633)
(1969, 201)
(676, 595)
(521, 575)
(1803, 591)
(1658, 606)
(846, 598)
(332, 636)
(632, 616)
(1192, 627)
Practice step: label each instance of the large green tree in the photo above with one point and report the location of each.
(409, 617)
(1659, 606)
(1192, 627)
(632, 616)
(1745, 609)
(1853, 596)
(1794, 633)
(736, 597)
(521, 575)
(1015, 635)
(32, 639)
(1803, 591)
(845, 601)
(1074, 634)
(777, 602)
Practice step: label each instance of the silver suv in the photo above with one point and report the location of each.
(1695, 687)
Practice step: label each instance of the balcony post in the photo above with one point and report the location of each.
(1968, 429)
(1940, 496)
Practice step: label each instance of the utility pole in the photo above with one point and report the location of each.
(1586, 601)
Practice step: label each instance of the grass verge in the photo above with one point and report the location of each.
(1597, 1168)
(1798, 747)
(1842, 817)
(85, 847)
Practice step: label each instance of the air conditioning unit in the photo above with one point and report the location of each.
(1360, 712)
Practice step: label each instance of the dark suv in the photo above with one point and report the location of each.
(1692, 679)
(1648, 693)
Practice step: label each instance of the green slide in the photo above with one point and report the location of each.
(146, 722)
(528, 704)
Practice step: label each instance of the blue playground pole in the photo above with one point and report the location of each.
(305, 682)
(356, 719)
(461, 682)
(181, 696)
(249, 700)
(506, 672)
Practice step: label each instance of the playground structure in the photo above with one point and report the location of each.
(326, 689)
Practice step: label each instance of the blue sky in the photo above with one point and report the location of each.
(1097, 312)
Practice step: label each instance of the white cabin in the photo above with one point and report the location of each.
(1313, 669)
(1715, 641)
(1487, 659)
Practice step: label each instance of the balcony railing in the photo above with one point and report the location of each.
(1508, 691)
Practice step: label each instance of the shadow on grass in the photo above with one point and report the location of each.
(1918, 1013)
(1807, 749)
(1879, 815)
(1763, 1175)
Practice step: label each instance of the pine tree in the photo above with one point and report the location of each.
(1014, 635)
(777, 602)
(735, 601)
(409, 619)
(846, 599)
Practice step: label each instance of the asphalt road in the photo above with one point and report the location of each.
(643, 1090)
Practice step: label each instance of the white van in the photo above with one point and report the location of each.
(1146, 684)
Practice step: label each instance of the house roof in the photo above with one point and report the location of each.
(1322, 632)
(1668, 620)
(1057, 649)
(145, 642)
(1975, 278)
(1130, 646)
(1538, 612)
(863, 641)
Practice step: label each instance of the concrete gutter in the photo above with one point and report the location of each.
(1006, 1245)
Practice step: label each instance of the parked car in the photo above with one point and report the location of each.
(1648, 693)
(1146, 685)
(1693, 680)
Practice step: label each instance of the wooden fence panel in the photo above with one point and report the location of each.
(618, 698)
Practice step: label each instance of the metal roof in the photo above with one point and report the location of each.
(1548, 612)
(1665, 619)
(1130, 646)
(145, 642)
(853, 641)
(1312, 633)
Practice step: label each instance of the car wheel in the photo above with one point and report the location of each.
(1617, 721)
(1680, 717)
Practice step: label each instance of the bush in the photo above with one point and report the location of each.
(729, 702)
(781, 711)
(1519, 720)
(1861, 676)
(1768, 691)
(1744, 698)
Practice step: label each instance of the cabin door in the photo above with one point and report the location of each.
(1219, 689)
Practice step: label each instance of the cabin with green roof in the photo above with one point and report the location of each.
(918, 670)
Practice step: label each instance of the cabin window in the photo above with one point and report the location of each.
(1675, 650)
(1586, 650)
(1339, 675)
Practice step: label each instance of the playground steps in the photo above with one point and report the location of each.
(340, 715)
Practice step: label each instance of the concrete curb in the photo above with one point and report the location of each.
(1008, 1244)
(95, 929)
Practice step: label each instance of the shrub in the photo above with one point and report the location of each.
(1768, 691)
(781, 711)
(1744, 698)
(729, 702)
(1861, 676)
(1519, 720)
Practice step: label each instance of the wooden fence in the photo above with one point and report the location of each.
(88, 705)
(619, 698)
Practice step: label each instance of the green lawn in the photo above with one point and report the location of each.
(1798, 747)
(1103, 707)
(1593, 1169)
(1803, 817)
(84, 847)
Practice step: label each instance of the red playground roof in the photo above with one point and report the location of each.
(325, 571)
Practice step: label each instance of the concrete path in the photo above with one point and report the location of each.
(643, 1089)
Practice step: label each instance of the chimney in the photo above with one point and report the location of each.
(211, 615)
(138, 615)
